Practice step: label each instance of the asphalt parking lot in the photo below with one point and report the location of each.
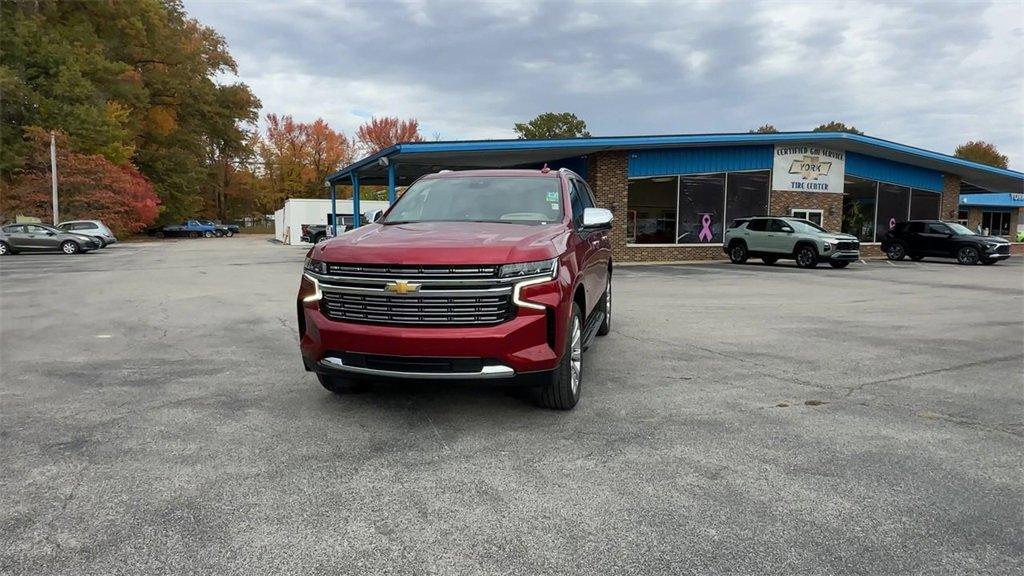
(739, 419)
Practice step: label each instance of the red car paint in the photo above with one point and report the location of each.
(522, 342)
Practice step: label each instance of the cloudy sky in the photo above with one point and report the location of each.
(930, 75)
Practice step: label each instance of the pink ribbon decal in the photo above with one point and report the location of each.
(892, 223)
(705, 232)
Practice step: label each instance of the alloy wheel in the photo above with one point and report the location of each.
(805, 257)
(967, 255)
(3, 249)
(608, 301)
(69, 247)
(895, 252)
(576, 355)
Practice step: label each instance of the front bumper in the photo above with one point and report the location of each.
(844, 256)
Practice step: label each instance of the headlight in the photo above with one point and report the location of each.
(545, 268)
(316, 266)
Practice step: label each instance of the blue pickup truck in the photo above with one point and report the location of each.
(189, 228)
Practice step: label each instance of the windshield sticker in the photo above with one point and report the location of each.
(554, 205)
(553, 197)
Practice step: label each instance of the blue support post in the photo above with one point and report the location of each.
(392, 170)
(334, 210)
(356, 216)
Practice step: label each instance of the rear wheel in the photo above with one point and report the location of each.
(160, 234)
(968, 255)
(738, 253)
(896, 251)
(193, 234)
(70, 247)
(562, 391)
(207, 234)
(769, 259)
(5, 249)
(606, 302)
(319, 238)
(806, 257)
(839, 264)
(339, 385)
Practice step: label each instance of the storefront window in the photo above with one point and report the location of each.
(859, 208)
(701, 202)
(924, 205)
(651, 205)
(997, 223)
(747, 194)
(893, 207)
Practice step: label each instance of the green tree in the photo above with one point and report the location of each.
(983, 153)
(551, 125)
(834, 126)
(766, 129)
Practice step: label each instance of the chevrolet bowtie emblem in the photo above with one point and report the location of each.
(810, 168)
(401, 287)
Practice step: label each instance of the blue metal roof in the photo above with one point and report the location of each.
(503, 153)
(1005, 200)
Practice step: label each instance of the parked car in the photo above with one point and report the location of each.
(221, 229)
(775, 238)
(484, 274)
(918, 239)
(16, 238)
(317, 233)
(92, 228)
(189, 228)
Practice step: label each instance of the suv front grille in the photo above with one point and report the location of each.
(464, 295)
(1003, 249)
(848, 245)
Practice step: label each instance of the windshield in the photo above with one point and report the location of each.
(512, 199)
(960, 229)
(806, 226)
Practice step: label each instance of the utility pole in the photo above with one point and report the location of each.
(53, 175)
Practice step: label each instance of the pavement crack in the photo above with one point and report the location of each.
(853, 389)
(436, 432)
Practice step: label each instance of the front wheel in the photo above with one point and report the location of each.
(70, 247)
(218, 234)
(606, 301)
(806, 257)
(562, 391)
(968, 255)
(160, 234)
(738, 253)
(839, 264)
(230, 233)
(339, 385)
(895, 251)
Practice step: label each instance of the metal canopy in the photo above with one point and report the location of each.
(417, 158)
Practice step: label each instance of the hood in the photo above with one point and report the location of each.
(839, 236)
(990, 239)
(444, 243)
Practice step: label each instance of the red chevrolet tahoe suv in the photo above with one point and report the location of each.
(479, 274)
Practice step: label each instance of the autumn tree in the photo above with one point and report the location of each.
(835, 126)
(377, 134)
(982, 152)
(90, 187)
(552, 125)
(765, 129)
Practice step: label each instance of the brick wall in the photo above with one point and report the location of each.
(950, 204)
(830, 204)
(973, 218)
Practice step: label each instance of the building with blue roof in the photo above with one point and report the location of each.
(664, 188)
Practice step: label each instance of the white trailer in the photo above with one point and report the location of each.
(288, 221)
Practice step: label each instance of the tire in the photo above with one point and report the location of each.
(738, 253)
(193, 234)
(896, 251)
(230, 233)
(806, 256)
(562, 391)
(839, 264)
(207, 234)
(968, 255)
(319, 238)
(218, 234)
(102, 242)
(606, 303)
(70, 247)
(769, 260)
(6, 250)
(160, 234)
(339, 385)
(988, 262)
(916, 257)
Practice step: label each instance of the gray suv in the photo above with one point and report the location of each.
(92, 228)
(775, 238)
(16, 238)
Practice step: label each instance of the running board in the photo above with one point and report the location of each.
(596, 319)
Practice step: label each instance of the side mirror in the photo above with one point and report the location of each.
(787, 229)
(49, 233)
(374, 216)
(597, 218)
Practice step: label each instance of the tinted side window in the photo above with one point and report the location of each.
(587, 195)
(576, 199)
(911, 227)
(759, 225)
(778, 225)
(938, 229)
(14, 229)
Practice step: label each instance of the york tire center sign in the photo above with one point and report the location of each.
(808, 169)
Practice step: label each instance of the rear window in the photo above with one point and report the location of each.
(511, 199)
(759, 225)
